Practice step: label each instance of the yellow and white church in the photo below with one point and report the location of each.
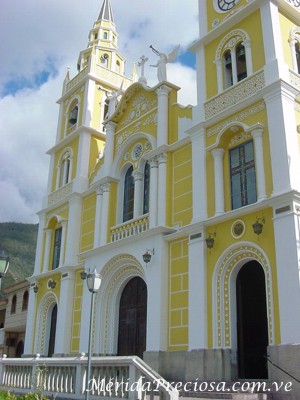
(210, 192)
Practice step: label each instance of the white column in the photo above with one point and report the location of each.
(199, 175)
(30, 326)
(39, 245)
(275, 65)
(138, 193)
(85, 316)
(81, 180)
(219, 180)
(247, 46)
(162, 114)
(88, 104)
(46, 265)
(65, 314)
(109, 146)
(63, 243)
(197, 293)
(219, 66)
(283, 135)
(162, 189)
(97, 228)
(259, 162)
(157, 297)
(234, 67)
(286, 231)
(73, 238)
(104, 214)
(292, 43)
(153, 193)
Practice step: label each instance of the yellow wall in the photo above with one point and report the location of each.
(88, 222)
(178, 295)
(180, 194)
(77, 308)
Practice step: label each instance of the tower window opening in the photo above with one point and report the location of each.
(297, 49)
(241, 62)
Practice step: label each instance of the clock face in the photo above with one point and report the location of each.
(225, 5)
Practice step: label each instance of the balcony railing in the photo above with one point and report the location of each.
(60, 194)
(115, 377)
(235, 94)
(130, 228)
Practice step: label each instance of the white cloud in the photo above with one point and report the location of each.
(35, 34)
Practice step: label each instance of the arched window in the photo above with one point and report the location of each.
(146, 188)
(118, 67)
(25, 301)
(128, 200)
(73, 114)
(233, 59)
(294, 41)
(56, 248)
(65, 169)
(105, 35)
(13, 304)
(242, 175)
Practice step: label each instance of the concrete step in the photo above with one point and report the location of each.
(241, 390)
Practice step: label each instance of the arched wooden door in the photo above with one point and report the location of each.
(252, 321)
(133, 319)
(52, 331)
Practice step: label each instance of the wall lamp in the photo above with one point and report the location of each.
(258, 226)
(35, 288)
(147, 256)
(51, 284)
(210, 241)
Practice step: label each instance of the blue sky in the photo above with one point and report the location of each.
(39, 41)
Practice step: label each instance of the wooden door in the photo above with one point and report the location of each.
(133, 319)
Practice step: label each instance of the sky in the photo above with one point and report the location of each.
(39, 41)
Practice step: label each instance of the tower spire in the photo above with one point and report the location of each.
(106, 12)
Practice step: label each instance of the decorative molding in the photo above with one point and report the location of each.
(140, 106)
(236, 118)
(137, 127)
(239, 138)
(60, 194)
(232, 259)
(248, 87)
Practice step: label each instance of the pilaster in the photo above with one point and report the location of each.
(162, 189)
(39, 245)
(73, 238)
(197, 292)
(286, 231)
(46, 264)
(30, 327)
(257, 133)
(138, 193)
(109, 146)
(284, 146)
(98, 214)
(105, 212)
(162, 114)
(153, 193)
(65, 314)
(199, 175)
(219, 180)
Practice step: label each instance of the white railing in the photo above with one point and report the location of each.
(130, 228)
(116, 377)
(60, 193)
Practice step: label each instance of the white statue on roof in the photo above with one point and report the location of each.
(161, 64)
(113, 101)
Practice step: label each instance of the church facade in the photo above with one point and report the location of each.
(209, 192)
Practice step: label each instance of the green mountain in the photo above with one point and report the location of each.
(19, 243)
